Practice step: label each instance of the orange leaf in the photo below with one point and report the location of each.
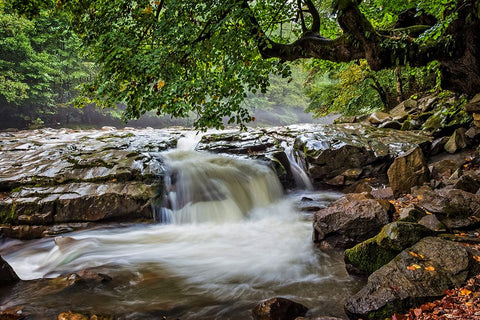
(413, 254)
(465, 292)
(430, 268)
(411, 268)
(476, 258)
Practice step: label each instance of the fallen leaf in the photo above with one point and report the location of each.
(413, 254)
(465, 292)
(430, 268)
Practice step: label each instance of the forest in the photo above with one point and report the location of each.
(217, 63)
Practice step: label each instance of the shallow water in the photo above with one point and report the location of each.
(232, 239)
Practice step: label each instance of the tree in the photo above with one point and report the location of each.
(175, 56)
(39, 67)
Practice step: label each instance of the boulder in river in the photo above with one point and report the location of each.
(7, 275)
(418, 274)
(278, 309)
(330, 151)
(350, 220)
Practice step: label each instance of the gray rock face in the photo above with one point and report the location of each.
(454, 208)
(50, 177)
(416, 275)
(408, 170)
(332, 150)
(7, 275)
(350, 220)
(278, 309)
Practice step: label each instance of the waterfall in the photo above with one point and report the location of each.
(202, 187)
(302, 181)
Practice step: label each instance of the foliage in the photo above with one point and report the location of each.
(39, 65)
(205, 57)
(354, 89)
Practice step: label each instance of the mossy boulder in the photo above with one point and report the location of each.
(418, 274)
(370, 255)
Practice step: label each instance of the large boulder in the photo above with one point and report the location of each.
(278, 309)
(368, 256)
(7, 275)
(418, 274)
(331, 151)
(350, 220)
(457, 141)
(408, 170)
(454, 208)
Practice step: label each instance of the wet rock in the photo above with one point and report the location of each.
(332, 150)
(350, 220)
(473, 133)
(438, 145)
(402, 110)
(7, 275)
(455, 208)
(418, 274)
(391, 125)
(469, 182)
(408, 170)
(457, 141)
(278, 309)
(379, 117)
(431, 222)
(368, 256)
(443, 168)
(345, 119)
(411, 213)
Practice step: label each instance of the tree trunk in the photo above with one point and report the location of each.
(398, 84)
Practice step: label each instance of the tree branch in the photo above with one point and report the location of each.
(315, 28)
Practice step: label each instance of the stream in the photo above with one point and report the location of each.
(226, 237)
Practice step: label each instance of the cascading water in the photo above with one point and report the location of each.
(229, 239)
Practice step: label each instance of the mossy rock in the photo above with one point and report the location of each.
(368, 256)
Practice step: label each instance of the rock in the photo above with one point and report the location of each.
(435, 122)
(411, 213)
(382, 193)
(457, 141)
(402, 110)
(473, 133)
(391, 125)
(345, 119)
(443, 168)
(473, 106)
(350, 220)
(438, 145)
(408, 170)
(455, 208)
(7, 275)
(379, 117)
(332, 150)
(418, 274)
(469, 182)
(431, 222)
(368, 256)
(278, 309)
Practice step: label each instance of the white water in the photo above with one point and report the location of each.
(233, 239)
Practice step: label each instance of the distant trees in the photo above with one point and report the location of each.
(39, 67)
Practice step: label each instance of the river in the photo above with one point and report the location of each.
(226, 237)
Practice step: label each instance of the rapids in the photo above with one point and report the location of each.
(227, 238)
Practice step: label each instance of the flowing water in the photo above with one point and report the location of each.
(227, 238)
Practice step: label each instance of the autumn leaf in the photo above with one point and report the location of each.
(476, 258)
(160, 83)
(465, 292)
(414, 267)
(413, 254)
(430, 268)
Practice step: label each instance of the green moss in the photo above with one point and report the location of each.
(369, 256)
(7, 214)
